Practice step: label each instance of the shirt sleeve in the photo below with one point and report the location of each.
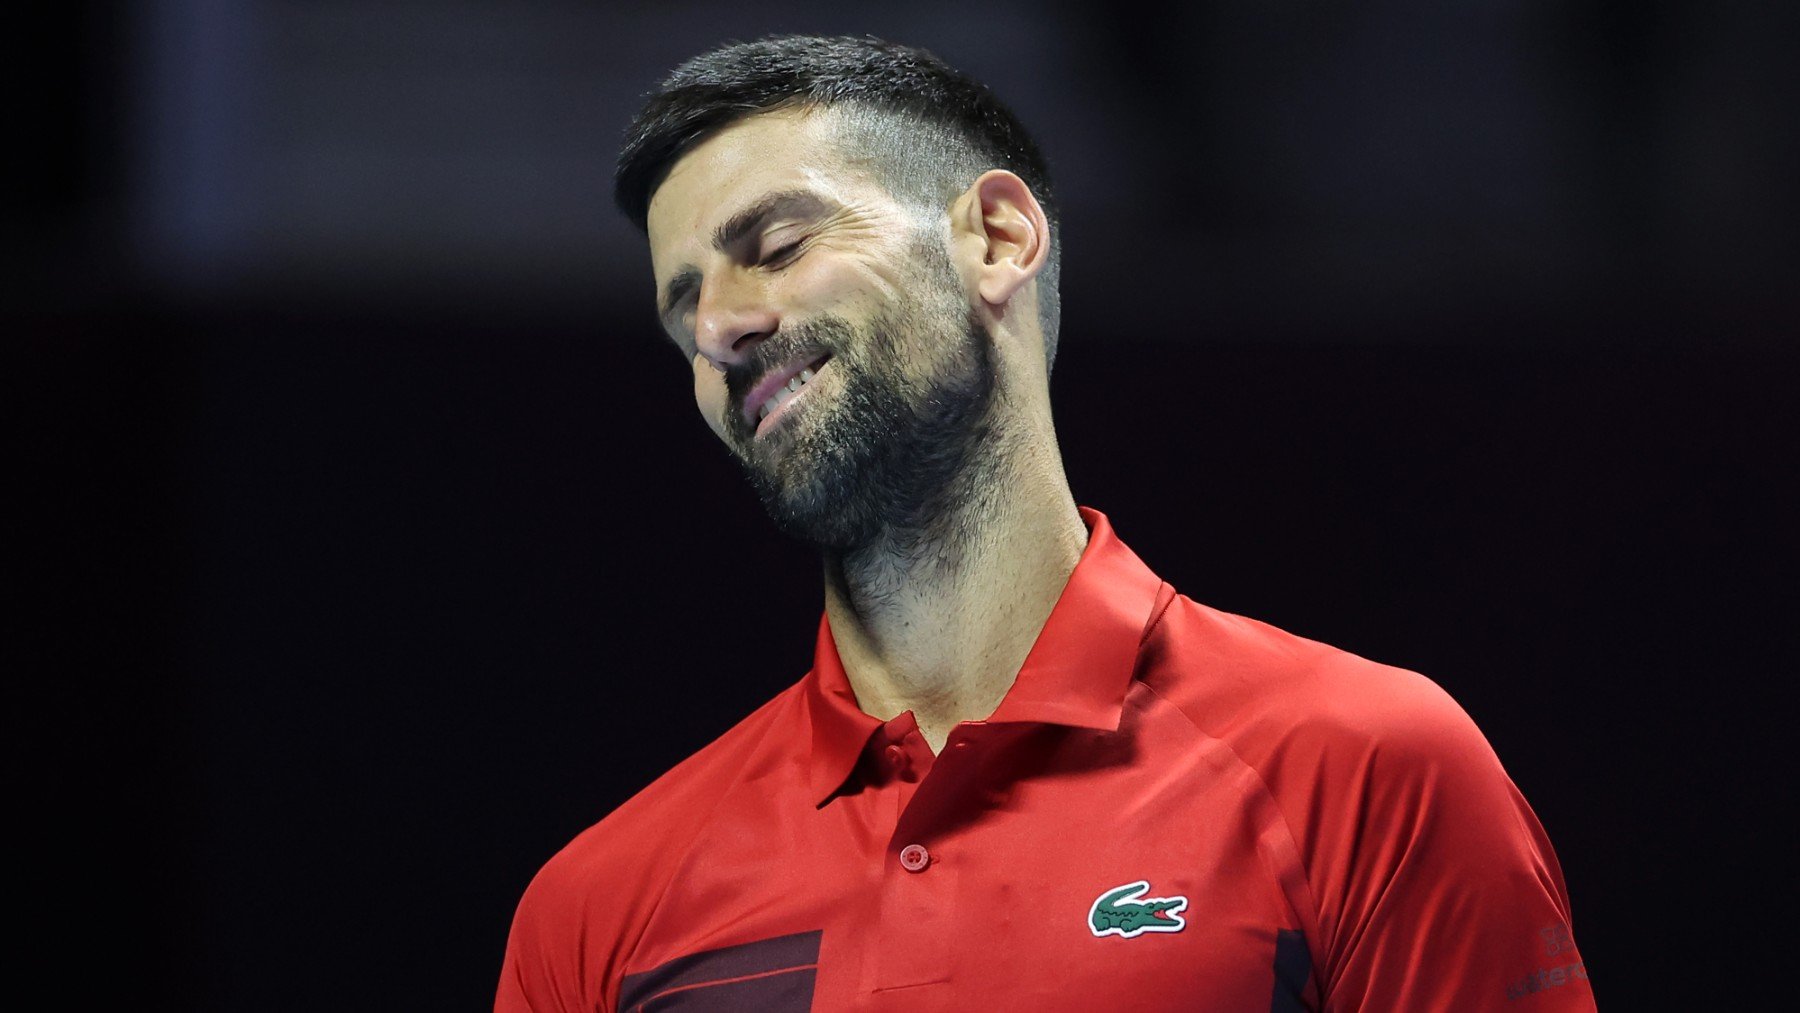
(573, 927)
(1437, 887)
(541, 969)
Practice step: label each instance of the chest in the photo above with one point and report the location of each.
(1058, 871)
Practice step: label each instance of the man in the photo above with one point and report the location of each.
(1023, 773)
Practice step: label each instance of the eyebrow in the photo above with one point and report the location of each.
(732, 232)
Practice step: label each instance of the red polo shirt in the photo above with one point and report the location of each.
(1173, 808)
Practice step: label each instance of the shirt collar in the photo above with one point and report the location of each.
(1076, 674)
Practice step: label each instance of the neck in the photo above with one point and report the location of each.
(937, 617)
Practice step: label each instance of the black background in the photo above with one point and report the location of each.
(375, 548)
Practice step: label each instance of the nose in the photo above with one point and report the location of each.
(730, 316)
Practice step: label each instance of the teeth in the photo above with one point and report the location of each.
(781, 396)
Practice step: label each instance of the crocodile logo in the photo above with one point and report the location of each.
(1119, 912)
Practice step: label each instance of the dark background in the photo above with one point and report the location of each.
(372, 547)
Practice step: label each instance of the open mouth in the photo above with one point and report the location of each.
(776, 391)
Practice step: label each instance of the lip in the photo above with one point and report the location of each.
(774, 380)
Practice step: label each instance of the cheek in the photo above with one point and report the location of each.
(709, 395)
(846, 285)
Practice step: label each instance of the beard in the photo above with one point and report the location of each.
(891, 448)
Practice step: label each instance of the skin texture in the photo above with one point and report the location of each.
(937, 587)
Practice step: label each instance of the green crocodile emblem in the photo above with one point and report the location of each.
(1119, 912)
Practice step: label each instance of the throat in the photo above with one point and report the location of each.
(939, 618)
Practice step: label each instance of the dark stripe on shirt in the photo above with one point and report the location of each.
(748, 966)
(1293, 966)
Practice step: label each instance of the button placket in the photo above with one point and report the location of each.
(918, 907)
(919, 902)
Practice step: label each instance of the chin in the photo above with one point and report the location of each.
(817, 499)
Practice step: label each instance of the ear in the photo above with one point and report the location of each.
(1004, 233)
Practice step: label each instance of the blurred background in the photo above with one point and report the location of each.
(375, 548)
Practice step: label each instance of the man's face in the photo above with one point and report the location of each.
(830, 335)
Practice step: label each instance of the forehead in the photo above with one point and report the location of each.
(787, 149)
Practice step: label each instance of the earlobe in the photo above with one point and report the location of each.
(1013, 231)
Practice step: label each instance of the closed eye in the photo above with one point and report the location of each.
(779, 256)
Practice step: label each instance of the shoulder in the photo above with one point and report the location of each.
(587, 905)
(1342, 745)
(652, 826)
(1403, 820)
(1415, 846)
(1270, 693)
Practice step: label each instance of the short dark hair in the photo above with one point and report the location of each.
(927, 130)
